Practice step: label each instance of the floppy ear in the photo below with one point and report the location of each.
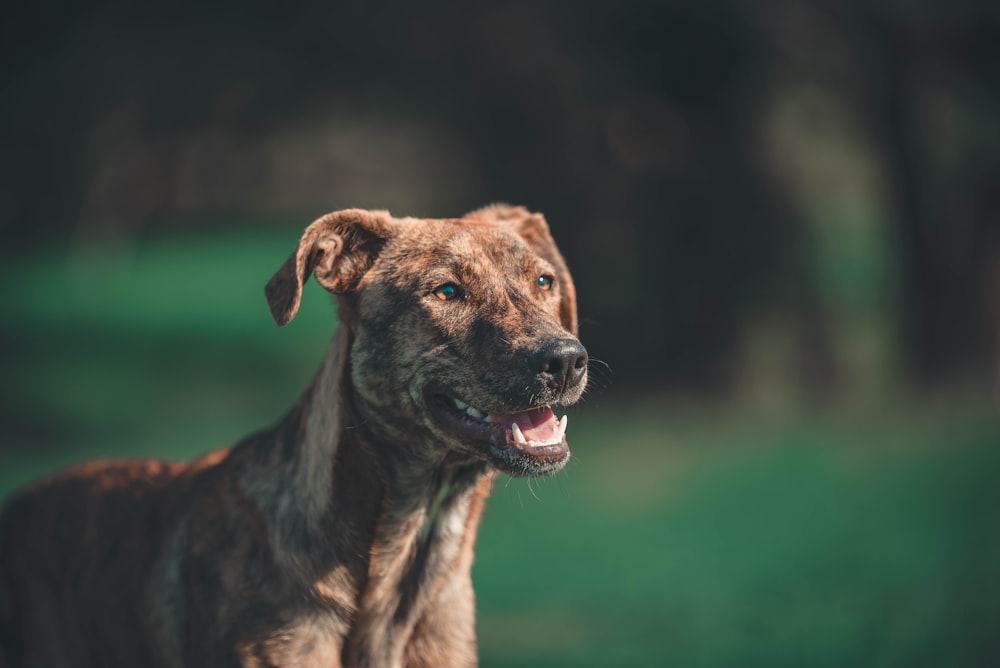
(338, 248)
(533, 229)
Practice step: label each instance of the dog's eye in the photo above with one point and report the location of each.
(545, 282)
(447, 292)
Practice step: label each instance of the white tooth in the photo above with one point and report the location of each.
(474, 413)
(461, 404)
(562, 425)
(518, 436)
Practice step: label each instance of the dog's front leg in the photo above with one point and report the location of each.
(445, 635)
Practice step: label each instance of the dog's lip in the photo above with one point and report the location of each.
(531, 427)
(535, 433)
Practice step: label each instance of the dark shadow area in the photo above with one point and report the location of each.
(704, 167)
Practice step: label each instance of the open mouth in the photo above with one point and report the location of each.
(528, 442)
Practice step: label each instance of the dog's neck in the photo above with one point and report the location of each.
(333, 437)
(412, 517)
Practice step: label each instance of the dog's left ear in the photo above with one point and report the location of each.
(339, 248)
(533, 229)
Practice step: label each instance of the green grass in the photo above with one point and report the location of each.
(676, 536)
(810, 544)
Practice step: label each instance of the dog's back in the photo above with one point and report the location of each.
(70, 547)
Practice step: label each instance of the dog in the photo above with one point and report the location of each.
(344, 535)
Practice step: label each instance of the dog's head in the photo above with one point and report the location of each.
(464, 330)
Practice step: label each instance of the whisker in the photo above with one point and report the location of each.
(601, 362)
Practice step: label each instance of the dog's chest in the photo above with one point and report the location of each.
(417, 559)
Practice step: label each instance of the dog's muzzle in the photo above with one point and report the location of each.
(525, 437)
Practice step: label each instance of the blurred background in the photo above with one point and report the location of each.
(784, 223)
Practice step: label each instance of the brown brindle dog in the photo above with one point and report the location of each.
(344, 535)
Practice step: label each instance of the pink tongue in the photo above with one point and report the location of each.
(538, 424)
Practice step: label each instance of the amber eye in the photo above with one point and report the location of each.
(447, 292)
(545, 282)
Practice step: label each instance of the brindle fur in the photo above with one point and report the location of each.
(342, 536)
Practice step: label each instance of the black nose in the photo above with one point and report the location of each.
(561, 362)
